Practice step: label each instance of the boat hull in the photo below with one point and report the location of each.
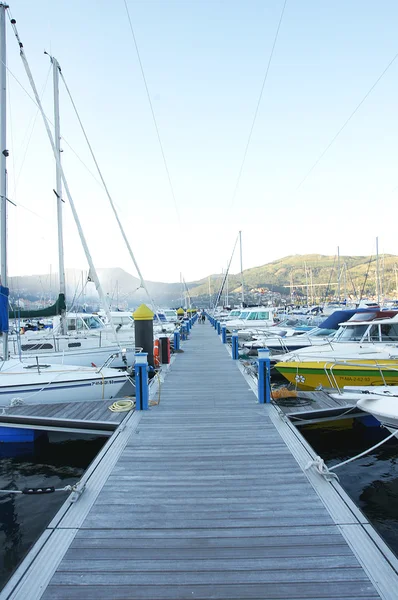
(330, 375)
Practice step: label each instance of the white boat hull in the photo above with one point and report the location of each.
(56, 383)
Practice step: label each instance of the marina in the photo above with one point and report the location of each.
(207, 491)
(226, 426)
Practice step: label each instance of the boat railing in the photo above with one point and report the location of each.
(329, 366)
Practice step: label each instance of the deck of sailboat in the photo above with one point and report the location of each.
(206, 496)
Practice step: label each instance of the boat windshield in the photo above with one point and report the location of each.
(92, 322)
(257, 316)
(234, 313)
(243, 315)
(318, 332)
(353, 334)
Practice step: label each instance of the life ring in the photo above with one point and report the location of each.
(156, 352)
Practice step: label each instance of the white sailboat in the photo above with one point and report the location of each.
(30, 380)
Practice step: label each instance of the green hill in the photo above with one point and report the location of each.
(318, 272)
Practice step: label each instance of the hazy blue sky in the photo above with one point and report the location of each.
(204, 62)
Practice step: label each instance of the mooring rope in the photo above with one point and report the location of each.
(327, 472)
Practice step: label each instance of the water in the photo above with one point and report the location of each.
(57, 459)
(371, 481)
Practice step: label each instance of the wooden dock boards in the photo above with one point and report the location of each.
(206, 501)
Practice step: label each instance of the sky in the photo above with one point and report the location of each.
(205, 63)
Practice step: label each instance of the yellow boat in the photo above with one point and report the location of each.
(337, 374)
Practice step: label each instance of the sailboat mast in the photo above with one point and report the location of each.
(338, 274)
(241, 268)
(377, 272)
(227, 290)
(58, 186)
(3, 156)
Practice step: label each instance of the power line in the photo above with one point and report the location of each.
(258, 104)
(153, 113)
(346, 122)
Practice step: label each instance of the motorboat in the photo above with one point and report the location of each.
(367, 334)
(379, 401)
(299, 337)
(335, 374)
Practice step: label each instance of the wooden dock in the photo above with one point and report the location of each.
(76, 416)
(205, 496)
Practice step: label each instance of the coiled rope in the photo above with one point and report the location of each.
(122, 405)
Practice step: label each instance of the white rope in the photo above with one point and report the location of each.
(327, 472)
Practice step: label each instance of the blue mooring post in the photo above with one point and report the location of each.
(218, 327)
(264, 376)
(235, 353)
(224, 334)
(215, 323)
(176, 340)
(141, 381)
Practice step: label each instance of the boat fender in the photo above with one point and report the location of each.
(156, 353)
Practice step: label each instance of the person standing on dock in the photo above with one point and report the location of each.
(202, 316)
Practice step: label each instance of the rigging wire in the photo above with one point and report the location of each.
(366, 278)
(108, 195)
(258, 104)
(65, 183)
(31, 128)
(153, 114)
(225, 277)
(370, 90)
(52, 125)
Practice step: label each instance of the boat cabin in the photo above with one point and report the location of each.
(379, 326)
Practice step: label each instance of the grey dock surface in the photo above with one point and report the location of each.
(205, 496)
(72, 416)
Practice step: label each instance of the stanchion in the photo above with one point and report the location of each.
(264, 376)
(141, 381)
(176, 341)
(235, 346)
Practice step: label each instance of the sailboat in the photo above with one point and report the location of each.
(34, 381)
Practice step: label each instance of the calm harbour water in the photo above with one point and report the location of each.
(58, 459)
(371, 481)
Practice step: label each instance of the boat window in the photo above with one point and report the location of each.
(389, 332)
(244, 315)
(71, 324)
(91, 323)
(29, 347)
(263, 315)
(352, 334)
(74, 345)
(374, 334)
(252, 316)
(122, 321)
(234, 313)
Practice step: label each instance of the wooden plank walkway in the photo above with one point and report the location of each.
(206, 501)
